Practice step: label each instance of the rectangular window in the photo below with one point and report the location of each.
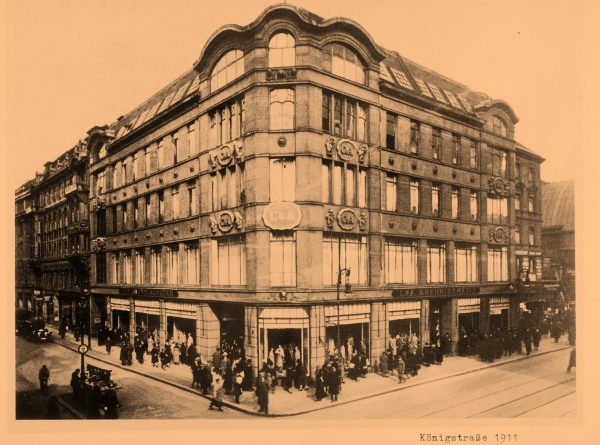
(283, 179)
(114, 270)
(344, 251)
(342, 184)
(473, 154)
(391, 190)
(125, 216)
(155, 266)
(455, 202)
(455, 149)
(175, 199)
(400, 261)
(362, 187)
(140, 264)
(346, 118)
(161, 206)
(101, 268)
(435, 199)
(172, 264)
(148, 209)
(228, 265)
(176, 156)
(192, 262)
(283, 258)
(436, 142)
(497, 264)
(530, 174)
(325, 188)
(518, 201)
(126, 268)
(498, 162)
(134, 167)
(350, 185)
(282, 109)
(192, 145)
(465, 264)
(436, 262)
(192, 198)
(101, 222)
(390, 138)
(147, 161)
(517, 235)
(415, 136)
(414, 196)
(136, 213)
(497, 209)
(531, 236)
(517, 170)
(159, 155)
(101, 183)
(473, 205)
(531, 203)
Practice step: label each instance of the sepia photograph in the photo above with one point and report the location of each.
(296, 213)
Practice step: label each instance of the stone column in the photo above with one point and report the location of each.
(131, 319)
(162, 316)
(318, 337)
(208, 332)
(379, 331)
(251, 336)
(450, 321)
(484, 315)
(424, 334)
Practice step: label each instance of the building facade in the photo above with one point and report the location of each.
(302, 181)
(558, 242)
(52, 245)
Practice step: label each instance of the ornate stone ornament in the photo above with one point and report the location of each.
(329, 145)
(346, 219)
(498, 186)
(330, 218)
(281, 74)
(213, 225)
(98, 244)
(239, 221)
(362, 221)
(362, 152)
(224, 155)
(498, 235)
(226, 221)
(346, 150)
(282, 141)
(282, 215)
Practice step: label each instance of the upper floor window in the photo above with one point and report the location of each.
(390, 136)
(497, 209)
(160, 155)
(465, 263)
(498, 126)
(530, 175)
(473, 205)
(531, 236)
(517, 170)
(517, 201)
(455, 202)
(176, 157)
(531, 203)
(497, 264)
(282, 109)
(345, 63)
(344, 251)
(436, 262)
(192, 261)
(455, 149)
(400, 261)
(147, 161)
(473, 154)
(517, 235)
(101, 183)
(436, 142)
(283, 258)
(342, 184)
(134, 167)
(415, 136)
(282, 50)
(283, 179)
(414, 196)
(497, 162)
(230, 67)
(391, 192)
(227, 187)
(343, 117)
(228, 260)
(192, 146)
(225, 124)
(435, 199)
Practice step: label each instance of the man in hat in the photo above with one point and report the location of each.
(216, 359)
(196, 372)
(262, 392)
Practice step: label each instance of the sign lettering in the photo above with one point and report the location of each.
(282, 215)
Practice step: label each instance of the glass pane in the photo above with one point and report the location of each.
(289, 180)
(337, 184)
(325, 182)
(350, 187)
(337, 66)
(288, 57)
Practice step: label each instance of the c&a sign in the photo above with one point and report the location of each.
(282, 215)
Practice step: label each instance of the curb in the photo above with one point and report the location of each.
(236, 407)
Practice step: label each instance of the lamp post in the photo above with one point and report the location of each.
(346, 273)
(83, 348)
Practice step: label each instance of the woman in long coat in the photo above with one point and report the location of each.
(155, 354)
(176, 354)
(383, 361)
(300, 375)
(334, 384)
(319, 385)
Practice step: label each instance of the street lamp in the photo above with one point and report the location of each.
(346, 273)
(83, 348)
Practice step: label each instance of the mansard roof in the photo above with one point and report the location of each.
(558, 205)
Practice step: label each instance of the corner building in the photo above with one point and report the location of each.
(227, 204)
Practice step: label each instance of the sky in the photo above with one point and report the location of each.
(72, 65)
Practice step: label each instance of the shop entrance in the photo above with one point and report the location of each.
(149, 323)
(351, 336)
(287, 327)
(179, 328)
(498, 319)
(468, 323)
(405, 326)
(120, 319)
(231, 318)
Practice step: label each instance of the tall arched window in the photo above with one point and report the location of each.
(282, 50)
(231, 66)
(498, 126)
(282, 109)
(345, 63)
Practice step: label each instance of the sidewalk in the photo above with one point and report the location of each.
(282, 403)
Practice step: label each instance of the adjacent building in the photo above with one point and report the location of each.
(301, 179)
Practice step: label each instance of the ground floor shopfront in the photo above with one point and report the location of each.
(310, 332)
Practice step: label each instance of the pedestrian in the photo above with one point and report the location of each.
(237, 383)
(227, 379)
(279, 358)
(216, 359)
(527, 341)
(537, 336)
(248, 375)
(262, 393)
(62, 330)
(334, 384)
(300, 375)
(196, 372)
(110, 404)
(319, 385)
(439, 355)
(216, 394)
(572, 361)
(123, 355)
(401, 369)
(176, 354)
(44, 376)
(555, 331)
(108, 344)
(383, 360)
(206, 379)
(76, 384)
(183, 351)
(155, 355)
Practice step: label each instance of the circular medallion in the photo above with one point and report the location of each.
(82, 349)
(346, 219)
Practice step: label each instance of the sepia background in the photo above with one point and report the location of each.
(71, 65)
